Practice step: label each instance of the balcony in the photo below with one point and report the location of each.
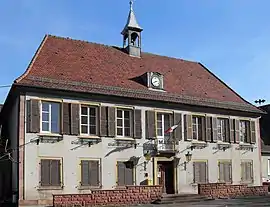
(166, 145)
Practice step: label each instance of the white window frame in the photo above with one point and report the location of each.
(88, 120)
(123, 122)
(241, 136)
(268, 166)
(162, 126)
(196, 127)
(50, 116)
(220, 136)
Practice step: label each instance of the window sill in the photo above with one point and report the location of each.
(245, 144)
(88, 137)
(124, 138)
(197, 142)
(43, 134)
(223, 143)
(50, 187)
(89, 187)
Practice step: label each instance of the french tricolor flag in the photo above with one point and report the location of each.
(172, 128)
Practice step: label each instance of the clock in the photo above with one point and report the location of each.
(155, 81)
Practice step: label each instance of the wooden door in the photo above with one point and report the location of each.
(161, 177)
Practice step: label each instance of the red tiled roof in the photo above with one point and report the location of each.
(62, 62)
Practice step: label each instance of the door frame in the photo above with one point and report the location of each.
(155, 169)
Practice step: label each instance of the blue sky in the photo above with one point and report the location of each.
(231, 38)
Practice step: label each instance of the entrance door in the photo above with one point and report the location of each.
(166, 176)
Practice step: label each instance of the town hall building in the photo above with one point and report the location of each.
(89, 116)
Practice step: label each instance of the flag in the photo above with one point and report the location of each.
(170, 130)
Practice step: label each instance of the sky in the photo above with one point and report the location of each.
(231, 38)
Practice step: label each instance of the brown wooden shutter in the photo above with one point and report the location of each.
(150, 125)
(55, 172)
(227, 130)
(253, 132)
(121, 173)
(94, 173)
(237, 132)
(208, 129)
(196, 172)
(75, 119)
(66, 118)
(129, 174)
(111, 122)
(137, 124)
(188, 127)
(177, 119)
(203, 128)
(103, 125)
(221, 172)
(232, 130)
(33, 116)
(85, 179)
(214, 128)
(45, 172)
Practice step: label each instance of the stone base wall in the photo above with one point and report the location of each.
(218, 190)
(127, 196)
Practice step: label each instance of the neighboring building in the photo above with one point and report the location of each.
(86, 115)
(265, 143)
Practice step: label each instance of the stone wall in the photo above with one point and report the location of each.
(127, 196)
(219, 190)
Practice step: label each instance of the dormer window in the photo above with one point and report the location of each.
(155, 80)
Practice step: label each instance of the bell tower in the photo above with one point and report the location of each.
(132, 34)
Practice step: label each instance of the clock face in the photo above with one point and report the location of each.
(155, 81)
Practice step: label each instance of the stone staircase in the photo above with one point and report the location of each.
(181, 198)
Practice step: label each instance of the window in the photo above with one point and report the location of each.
(88, 120)
(50, 117)
(125, 173)
(50, 172)
(124, 123)
(90, 173)
(243, 129)
(197, 127)
(225, 171)
(247, 171)
(221, 129)
(200, 172)
(163, 123)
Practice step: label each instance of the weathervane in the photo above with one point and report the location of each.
(260, 101)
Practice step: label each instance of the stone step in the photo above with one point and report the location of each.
(180, 198)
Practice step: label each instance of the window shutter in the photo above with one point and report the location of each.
(66, 118)
(243, 167)
(94, 173)
(188, 126)
(129, 174)
(55, 172)
(75, 119)
(227, 130)
(203, 172)
(214, 128)
(103, 125)
(208, 129)
(111, 122)
(45, 172)
(251, 172)
(137, 124)
(253, 132)
(237, 132)
(150, 124)
(33, 116)
(203, 129)
(120, 173)
(227, 170)
(248, 132)
(85, 180)
(232, 130)
(221, 172)
(177, 119)
(196, 172)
